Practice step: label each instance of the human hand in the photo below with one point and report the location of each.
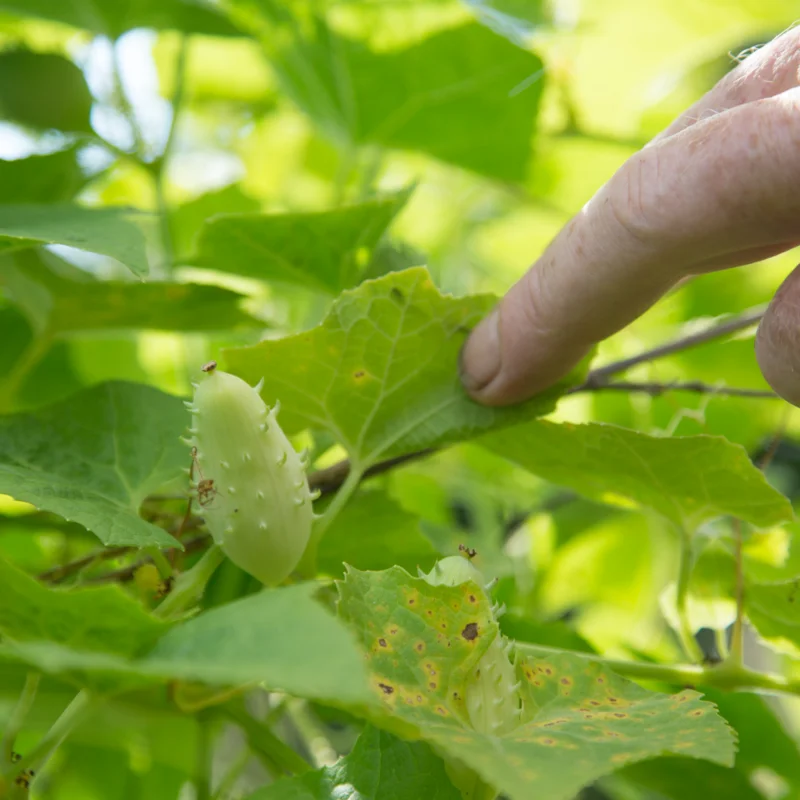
(717, 189)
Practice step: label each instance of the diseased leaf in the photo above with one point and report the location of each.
(379, 767)
(373, 532)
(435, 96)
(67, 300)
(43, 90)
(326, 250)
(94, 457)
(52, 178)
(280, 637)
(107, 231)
(579, 721)
(688, 479)
(113, 19)
(381, 371)
(100, 619)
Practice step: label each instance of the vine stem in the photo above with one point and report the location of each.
(73, 714)
(18, 715)
(725, 676)
(191, 584)
(690, 646)
(202, 782)
(308, 563)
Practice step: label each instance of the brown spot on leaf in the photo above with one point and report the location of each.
(359, 373)
(385, 688)
(470, 632)
(382, 642)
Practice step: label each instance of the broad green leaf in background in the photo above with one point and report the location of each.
(774, 610)
(381, 371)
(52, 178)
(326, 250)
(187, 219)
(688, 479)
(463, 95)
(43, 90)
(379, 767)
(580, 721)
(281, 637)
(687, 779)
(100, 619)
(113, 19)
(373, 532)
(61, 299)
(94, 457)
(108, 231)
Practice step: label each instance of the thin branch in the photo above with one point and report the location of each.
(655, 389)
(740, 322)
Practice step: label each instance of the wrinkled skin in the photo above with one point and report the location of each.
(717, 189)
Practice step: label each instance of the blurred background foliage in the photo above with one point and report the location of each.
(500, 118)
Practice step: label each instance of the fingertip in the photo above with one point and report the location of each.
(777, 342)
(480, 359)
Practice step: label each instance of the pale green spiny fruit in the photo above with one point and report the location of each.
(492, 693)
(251, 484)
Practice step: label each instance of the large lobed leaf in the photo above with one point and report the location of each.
(688, 479)
(580, 721)
(324, 250)
(379, 767)
(94, 458)
(463, 95)
(381, 371)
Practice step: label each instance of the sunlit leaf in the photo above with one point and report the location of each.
(327, 250)
(113, 19)
(52, 178)
(688, 479)
(94, 458)
(579, 721)
(381, 371)
(774, 610)
(108, 231)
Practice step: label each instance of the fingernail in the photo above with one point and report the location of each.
(480, 355)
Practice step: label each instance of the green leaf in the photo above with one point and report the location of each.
(463, 95)
(51, 178)
(774, 610)
(379, 767)
(687, 779)
(67, 300)
(688, 479)
(187, 220)
(113, 19)
(326, 250)
(373, 532)
(43, 90)
(94, 457)
(517, 20)
(381, 371)
(281, 637)
(579, 720)
(107, 231)
(102, 619)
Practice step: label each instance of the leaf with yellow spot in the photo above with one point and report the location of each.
(578, 722)
(381, 371)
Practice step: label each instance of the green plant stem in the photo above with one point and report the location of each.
(727, 676)
(23, 366)
(18, 715)
(277, 755)
(161, 561)
(308, 564)
(690, 646)
(202, 781)
(736, 655)
(74, 713)
(190, 586)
